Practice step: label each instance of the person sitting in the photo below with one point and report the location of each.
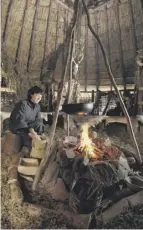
(25, 119)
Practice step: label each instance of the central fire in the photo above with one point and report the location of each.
(86, 146)
(94, 148)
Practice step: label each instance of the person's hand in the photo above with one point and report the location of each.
(32, 131)
(34, 136)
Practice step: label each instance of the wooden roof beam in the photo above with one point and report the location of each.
(64, 5)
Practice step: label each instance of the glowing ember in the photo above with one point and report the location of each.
(80, 113)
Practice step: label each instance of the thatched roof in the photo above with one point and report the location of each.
(34, 33)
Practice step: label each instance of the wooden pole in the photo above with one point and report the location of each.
(70, 80)
(113, 82)
(51, 138)
(92, 96)
(106, 107)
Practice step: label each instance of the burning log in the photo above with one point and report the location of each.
(78, 221)
(94, 149)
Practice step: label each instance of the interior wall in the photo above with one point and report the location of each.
(32, 30)
(119, 25)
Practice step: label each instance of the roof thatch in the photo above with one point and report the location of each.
(34, 34)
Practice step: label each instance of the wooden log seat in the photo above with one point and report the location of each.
(11, 144)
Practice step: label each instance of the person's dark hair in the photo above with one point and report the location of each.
(34, 89)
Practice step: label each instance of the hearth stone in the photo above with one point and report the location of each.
(88, 184)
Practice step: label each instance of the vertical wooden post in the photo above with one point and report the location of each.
(92, 96)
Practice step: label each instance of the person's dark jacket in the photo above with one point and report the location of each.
(23, 115)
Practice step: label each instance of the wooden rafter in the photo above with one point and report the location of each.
(32, 35)
(133, 29)
(107, 35)
(46, 39)
(64, 5)
(65, 26)
(21, 32)
(57, 25)
(7, 18)
(120, 44)
(96, 58)
(85, 55)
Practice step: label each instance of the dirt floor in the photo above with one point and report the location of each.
(15, 216)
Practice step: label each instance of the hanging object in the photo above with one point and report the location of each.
(79, 108)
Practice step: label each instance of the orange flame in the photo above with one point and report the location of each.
(94, 149)
(86, 145)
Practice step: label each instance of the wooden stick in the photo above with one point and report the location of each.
(70, 80)
(106, 107)
(51, 138)
(113, 82)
